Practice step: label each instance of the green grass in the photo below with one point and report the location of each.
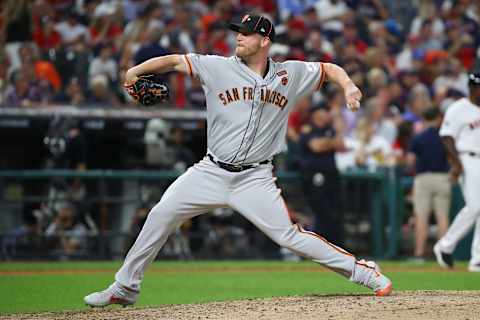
(193, 282)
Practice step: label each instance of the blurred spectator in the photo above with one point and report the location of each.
(428, 11)
(396, 98)
(419, 100)
(216, 38)
(427, 39)
(24, 239)
(370, 9)
(404, 60)
(181, 30)
(4, 83)
(47, 77)
(331, 13)
(66, 235)
(386, 35)
(134, 9)
(166, 147)
(67, 149)
(310, 17)
(320, 178)
(22, 93)
(299, 117)
(224, 237)
(71, 30)
(104, 64)
(151, 47)
(344, 121)
(431, 188)
(318, 48)
(104, 26)
(288, 8)
(182, 157)
(66, 144)
(376, 112)
(351, 37)
(220, 11)
(17, 18)
(148, 19)
(365, 148)
(450, 96)
(100, 93)
(462, 38)
(402, 143)
(138, 220)
(195, 95)
(294, 35)
(376, 80)
(267, 6)
(72, 95)
(279, 52)
(453, 76)
(45, 36)
(72, 61)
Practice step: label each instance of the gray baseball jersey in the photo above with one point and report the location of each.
(247, 114)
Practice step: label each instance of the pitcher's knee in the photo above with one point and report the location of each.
(164, 212)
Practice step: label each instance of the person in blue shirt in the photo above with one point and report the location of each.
(318, 143)
(431, 187)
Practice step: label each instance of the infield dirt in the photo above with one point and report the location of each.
(425, 305)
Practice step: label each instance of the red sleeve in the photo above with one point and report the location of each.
(294, 121)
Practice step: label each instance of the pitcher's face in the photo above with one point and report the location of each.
(248, 44)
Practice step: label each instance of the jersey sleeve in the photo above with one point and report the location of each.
(451, 124)
(307, 76)
(202, 66)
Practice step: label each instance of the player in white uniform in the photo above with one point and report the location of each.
(460, 133)
(248, 99)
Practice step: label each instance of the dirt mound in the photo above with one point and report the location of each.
(425, 305)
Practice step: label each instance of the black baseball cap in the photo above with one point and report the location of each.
(474, 79)
(320, 105)
(254, 24)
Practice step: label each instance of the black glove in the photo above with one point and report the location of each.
(147, 91)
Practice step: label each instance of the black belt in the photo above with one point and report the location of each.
(235, 167)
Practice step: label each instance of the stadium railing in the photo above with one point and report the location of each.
(375, 193)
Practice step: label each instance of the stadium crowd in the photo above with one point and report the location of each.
(409, 57)
(405, 55)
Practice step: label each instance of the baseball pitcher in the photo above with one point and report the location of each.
(249, 97)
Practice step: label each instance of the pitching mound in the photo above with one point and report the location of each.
(425, 305)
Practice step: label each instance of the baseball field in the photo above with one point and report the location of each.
(238, 290)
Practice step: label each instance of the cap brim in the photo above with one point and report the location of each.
(237, 27)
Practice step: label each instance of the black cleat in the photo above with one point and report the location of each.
(445, 260)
